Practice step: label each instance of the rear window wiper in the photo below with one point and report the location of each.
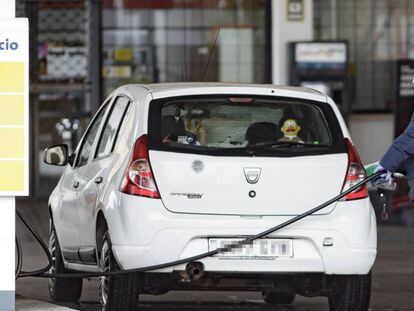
(272, 144)
(200, 147)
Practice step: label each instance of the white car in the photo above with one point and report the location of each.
(168, 171)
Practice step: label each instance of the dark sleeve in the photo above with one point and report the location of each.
(401, 149)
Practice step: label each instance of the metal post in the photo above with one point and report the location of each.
(268, 43)
(94, 44)
(334, 20)
(31, 12)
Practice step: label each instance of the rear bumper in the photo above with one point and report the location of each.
(337, 261)
(144, 234)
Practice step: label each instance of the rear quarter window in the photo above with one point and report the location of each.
(244, 125)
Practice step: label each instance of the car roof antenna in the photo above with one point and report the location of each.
(210, 56)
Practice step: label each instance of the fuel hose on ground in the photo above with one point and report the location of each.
(42, 273)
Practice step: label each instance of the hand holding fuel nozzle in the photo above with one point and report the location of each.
(385, 180)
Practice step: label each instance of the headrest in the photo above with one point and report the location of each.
(172, 126)
(262, 132)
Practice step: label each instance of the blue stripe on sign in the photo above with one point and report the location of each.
(7, 300)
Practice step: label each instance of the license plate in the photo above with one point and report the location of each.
(259, 249)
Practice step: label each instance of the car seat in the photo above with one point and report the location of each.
(260, 132)
(173, 127)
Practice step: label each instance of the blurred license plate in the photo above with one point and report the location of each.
(259, 249)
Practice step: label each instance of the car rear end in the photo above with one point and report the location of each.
(218, 164)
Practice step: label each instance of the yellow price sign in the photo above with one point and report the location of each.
(14, 91)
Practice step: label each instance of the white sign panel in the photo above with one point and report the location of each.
(14, 91)
(65, 63)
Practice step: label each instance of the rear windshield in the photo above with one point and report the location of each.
(243, 125)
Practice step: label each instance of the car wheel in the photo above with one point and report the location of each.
(280, 297)
(61, 290)
(350, 293)
(119, 292)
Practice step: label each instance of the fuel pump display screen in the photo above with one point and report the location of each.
(321, 55)
(14, 107)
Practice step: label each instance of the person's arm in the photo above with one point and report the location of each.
(401, 149)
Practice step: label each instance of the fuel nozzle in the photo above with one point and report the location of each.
(383, 201)
(383, 187)
(381, 184)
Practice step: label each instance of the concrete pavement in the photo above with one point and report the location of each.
(25, 304)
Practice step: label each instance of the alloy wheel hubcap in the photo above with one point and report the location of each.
(104, 265)
(52, 248)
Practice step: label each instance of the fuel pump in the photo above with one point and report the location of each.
(322, 65)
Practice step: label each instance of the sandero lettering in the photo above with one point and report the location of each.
(7, 45)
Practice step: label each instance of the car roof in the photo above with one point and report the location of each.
(160, 87)
(160, 90)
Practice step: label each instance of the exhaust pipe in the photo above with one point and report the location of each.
(195, 270)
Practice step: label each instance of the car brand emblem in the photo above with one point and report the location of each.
(252, 174)
(197, 166)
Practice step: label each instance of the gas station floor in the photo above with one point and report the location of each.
(392, 290)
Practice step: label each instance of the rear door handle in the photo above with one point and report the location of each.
(98, 180)
(76, 184)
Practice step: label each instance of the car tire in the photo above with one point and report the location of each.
(61, 290)
(350, 293)
(119, 292)
(280, 297)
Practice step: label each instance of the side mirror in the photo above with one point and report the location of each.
(56, 155)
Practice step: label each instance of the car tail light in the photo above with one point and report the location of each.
(355, 173)
(139, 179)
